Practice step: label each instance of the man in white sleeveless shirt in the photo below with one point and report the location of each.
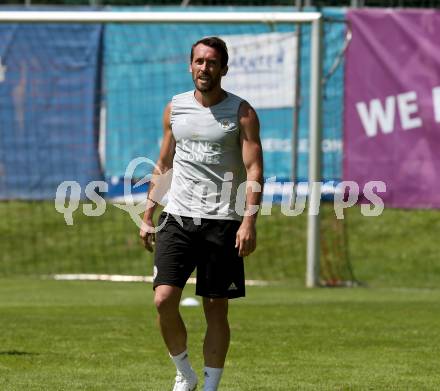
(211, 142)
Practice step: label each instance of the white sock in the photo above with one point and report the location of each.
(182, 364)
(212, 378)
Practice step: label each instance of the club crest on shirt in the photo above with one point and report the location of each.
(226, 124)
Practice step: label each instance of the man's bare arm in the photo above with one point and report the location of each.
(252, 154)
(163, 164)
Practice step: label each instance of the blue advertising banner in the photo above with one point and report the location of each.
(48, 83)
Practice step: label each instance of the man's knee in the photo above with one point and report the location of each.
(167, 298)
(216, 310)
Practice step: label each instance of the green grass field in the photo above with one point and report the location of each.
(102, 336)
(399, 248)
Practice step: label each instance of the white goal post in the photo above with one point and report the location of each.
(312, 18)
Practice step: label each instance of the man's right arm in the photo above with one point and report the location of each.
(163, 164)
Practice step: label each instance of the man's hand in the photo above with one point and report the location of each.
(246, 239)
(147, 234)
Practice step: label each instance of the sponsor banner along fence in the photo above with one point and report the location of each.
(51, 96)
(392, 112)
(48, 84)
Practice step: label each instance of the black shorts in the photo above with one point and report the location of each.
(209, 247)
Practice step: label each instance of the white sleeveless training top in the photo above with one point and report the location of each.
(209, 178)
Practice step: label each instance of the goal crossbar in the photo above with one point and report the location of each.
(315, 116)
(156, 17)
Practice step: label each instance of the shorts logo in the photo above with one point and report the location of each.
(154, 272)
(232, 287)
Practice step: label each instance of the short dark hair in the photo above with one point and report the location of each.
(215, 43)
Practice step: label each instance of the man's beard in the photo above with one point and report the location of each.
(206, 87)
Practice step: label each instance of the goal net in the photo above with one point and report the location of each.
(82, 95)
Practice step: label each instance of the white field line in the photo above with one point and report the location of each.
(124, 278)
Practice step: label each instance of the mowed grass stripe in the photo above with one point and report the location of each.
(399, 248)
(102, 336)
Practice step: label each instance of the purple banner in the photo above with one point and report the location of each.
(392, 105)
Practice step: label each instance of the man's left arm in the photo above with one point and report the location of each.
(252, 153)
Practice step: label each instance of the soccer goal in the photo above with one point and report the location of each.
(127, 75)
